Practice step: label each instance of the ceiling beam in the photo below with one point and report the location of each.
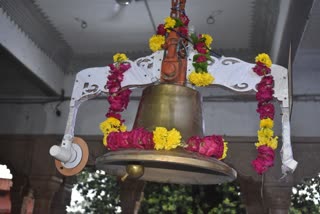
(28, 53)
(292, 21)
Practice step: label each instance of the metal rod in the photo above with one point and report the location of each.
(150, 16)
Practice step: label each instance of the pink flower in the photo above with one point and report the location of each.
(201, 47)
(193, 143)
(264, 94)
(142, 139)
(267, 80)
(161, 30)
(266, 110)
(183, 31)
(115, 115)
(116, 103)
(124, 95)
(117, 140)
(185, 20)
(212, 146)
(201, 58)
(261, 69)
(264, 160)
(124, 67)
(258, 166)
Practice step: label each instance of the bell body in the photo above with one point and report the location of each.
(171, 106)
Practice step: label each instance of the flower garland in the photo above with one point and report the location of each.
(115, 134)
(200, 76)
(267, 142)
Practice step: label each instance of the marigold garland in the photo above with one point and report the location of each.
(164, 139)
(267, 142)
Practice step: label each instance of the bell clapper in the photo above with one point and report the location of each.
(133, 171)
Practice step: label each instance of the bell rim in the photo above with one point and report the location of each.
(213, 167)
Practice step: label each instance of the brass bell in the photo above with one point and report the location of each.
(170, 106)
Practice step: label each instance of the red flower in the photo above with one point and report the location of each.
(142, 139)
(161, 30)
(266, 110)
(264, 160)
(117, 140)
(193, 143)
(261, 69)
(116, 103)
(267, 80)
(212, 146)
(258, 166)
(185, 20)
(183, 31)
(115, 115)
(201, 47)
(201, 58)
(124, 67)
(264, 94)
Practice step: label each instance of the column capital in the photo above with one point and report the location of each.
(44, 186)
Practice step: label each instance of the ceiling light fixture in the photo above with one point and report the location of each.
(212, 17)
(211, 20)
(123, 2)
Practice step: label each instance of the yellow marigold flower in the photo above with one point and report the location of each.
(266, 123)
(265, 59)
(208, 39)
(265, 133)
(225, 150)
(105, 140)
(169, 23)
(156, 42)
(173, 139)
(271, 142)
(119, 57)
(200, 79)
(164, 139)
(123, 128)
(160, 137)
(111, 124)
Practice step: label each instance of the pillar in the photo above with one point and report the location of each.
(18, 191)
(62, 197)
(131, 194)
(44, 188)
(277, 195)
(251, 194)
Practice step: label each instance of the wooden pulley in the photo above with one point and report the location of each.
(79, 158)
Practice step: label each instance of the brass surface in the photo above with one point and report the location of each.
(134, 171)
(175, 166)
(171, 106)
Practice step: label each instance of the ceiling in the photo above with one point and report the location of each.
(109, 29)
(75, 34)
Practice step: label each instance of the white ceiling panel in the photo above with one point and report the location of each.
(112, 28)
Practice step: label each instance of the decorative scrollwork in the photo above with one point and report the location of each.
(89, 89)
(145, 62)
(229, 61)
(240, 86)
(212, 61)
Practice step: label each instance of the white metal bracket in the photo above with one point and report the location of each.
(229, 72)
